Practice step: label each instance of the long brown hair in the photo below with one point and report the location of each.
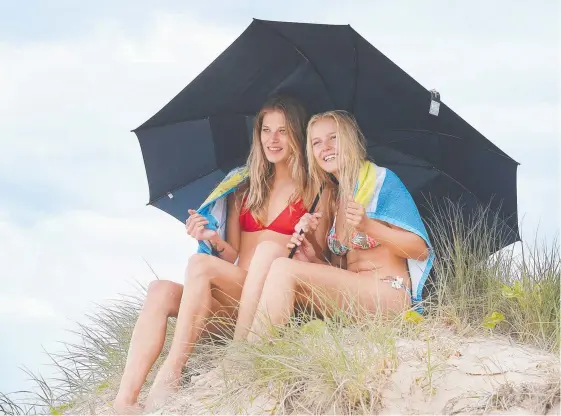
(261, 171)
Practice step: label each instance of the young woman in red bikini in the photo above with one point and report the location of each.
(259, 225)
(371, 255)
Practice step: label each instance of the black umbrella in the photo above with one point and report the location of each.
(202, 133)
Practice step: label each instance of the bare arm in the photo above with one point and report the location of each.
(401, 242)
(228, 249)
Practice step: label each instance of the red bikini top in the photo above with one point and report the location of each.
(283, 224)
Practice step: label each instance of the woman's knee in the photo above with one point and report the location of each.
(198, 263)
(199, 266)
(160, 288)
(164, 295)
(281, 267)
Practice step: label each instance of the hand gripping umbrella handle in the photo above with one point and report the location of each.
(312, 209)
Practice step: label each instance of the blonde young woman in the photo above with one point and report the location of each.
(245, 225)
(377, 236)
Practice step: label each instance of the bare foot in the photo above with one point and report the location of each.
(209, 379)
(218, 375)
(166, 384)
(206, 385)
(123, 408)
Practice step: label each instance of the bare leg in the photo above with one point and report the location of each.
(265, 253)
(288, 277)
(162, 301)
(205, 275)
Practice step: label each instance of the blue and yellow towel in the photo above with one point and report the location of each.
(215, 208)
(387, 199)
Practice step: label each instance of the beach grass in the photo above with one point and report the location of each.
(342, 364)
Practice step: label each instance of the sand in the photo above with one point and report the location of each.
(450, 375)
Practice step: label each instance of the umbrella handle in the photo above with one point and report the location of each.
(312, 209)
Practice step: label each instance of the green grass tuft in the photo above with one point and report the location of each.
(339, 365)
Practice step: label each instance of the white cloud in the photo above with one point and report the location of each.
(22, 307)
(77, 257)
(74, 227)
(69, 107)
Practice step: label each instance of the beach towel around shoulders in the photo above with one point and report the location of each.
(215, 207)
(386, 198)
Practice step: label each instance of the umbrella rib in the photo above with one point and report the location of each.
(273, 30)
(455, 181)
(448, 135)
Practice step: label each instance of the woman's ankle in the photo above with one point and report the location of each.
(170, 372)
(125, 400)
(126, 394)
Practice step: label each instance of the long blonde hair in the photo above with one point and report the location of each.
(351, 154)
(261, 171)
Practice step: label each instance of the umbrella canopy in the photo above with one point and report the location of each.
(192, 142)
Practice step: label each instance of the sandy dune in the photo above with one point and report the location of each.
(450, 375)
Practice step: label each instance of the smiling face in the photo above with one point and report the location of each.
(325, 146)
(275, 137)
(335, 147)
(278, 141)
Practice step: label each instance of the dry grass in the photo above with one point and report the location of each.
(344, 365)
(515, 291)
(87, 370)
(314, 367)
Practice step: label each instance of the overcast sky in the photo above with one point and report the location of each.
(76, 77)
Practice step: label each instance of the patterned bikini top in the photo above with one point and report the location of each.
(357, 241)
